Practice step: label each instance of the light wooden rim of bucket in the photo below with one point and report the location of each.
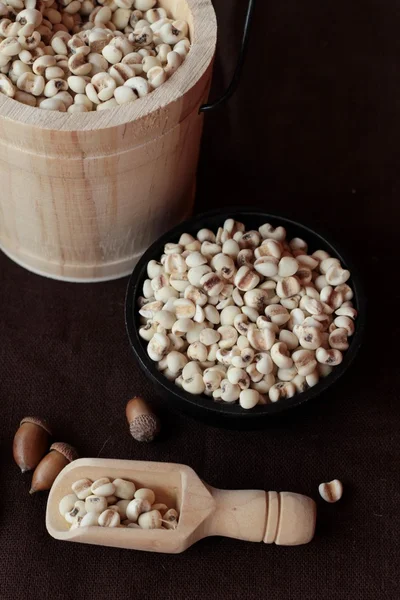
(203, 40)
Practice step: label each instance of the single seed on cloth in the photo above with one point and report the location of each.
(331, 491)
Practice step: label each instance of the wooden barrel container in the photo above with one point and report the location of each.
(83, 195)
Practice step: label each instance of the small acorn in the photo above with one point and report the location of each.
(143, 423)
(31, 442)
(51, 465)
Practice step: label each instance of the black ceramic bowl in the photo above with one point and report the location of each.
(203, 407)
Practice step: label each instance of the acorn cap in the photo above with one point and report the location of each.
(66, 450)
(37, 421)
(144, 428)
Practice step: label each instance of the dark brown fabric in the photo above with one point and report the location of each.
(313, 133)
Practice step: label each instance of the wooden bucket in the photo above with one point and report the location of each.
(83, 195)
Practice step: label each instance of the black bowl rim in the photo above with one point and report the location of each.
(205, 403)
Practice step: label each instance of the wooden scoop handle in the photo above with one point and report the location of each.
(285, 518)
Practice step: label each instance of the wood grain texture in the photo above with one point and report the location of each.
(83, 195)
(204, 511)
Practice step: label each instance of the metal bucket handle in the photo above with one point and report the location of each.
(230, 90)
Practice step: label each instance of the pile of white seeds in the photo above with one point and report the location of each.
(116, 503)
(84, 55)
(245, 316)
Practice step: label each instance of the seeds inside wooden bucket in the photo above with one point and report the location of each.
(84, 55)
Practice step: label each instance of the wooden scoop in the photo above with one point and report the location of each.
(284, 518)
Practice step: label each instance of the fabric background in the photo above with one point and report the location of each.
(313, 133)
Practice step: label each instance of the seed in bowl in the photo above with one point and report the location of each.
(87, 55)
(256, 318)
(127, 507)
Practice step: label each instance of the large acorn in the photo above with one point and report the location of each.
(51, 465)
(31, 442)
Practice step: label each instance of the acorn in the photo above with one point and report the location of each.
(51, 465)
(31, 442)
(143, 423)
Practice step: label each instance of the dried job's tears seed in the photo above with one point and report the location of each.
(245, 316)
(331, 491)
